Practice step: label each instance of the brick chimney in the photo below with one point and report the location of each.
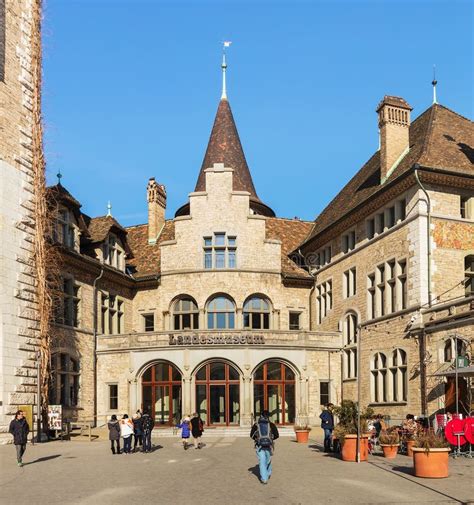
(394, 127)
(156, 197)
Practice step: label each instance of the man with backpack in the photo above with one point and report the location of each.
(264, 433)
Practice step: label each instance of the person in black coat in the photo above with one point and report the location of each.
(147, 427)
(114, 434)
(197, 428)
(137, 430)
(327, 424)
(19, 429)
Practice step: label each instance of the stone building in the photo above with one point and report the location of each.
(393, 256)
(226, 309)
(18, 308)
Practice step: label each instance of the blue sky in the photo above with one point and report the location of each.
(131, 89)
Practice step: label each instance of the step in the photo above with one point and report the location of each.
(219, 432)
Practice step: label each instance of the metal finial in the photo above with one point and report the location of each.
(224, 68)
(109, 209)
(434, 82)
(59, 175)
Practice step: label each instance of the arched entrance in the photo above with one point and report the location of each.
(274, 390)
(161, 393)
(218, 393)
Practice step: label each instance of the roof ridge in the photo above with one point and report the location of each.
(292, 219)
(453, 112)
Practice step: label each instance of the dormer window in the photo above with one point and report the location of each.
(64, 232)
(114, 253)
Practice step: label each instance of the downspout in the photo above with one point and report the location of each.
(424, 405)
(94, 291)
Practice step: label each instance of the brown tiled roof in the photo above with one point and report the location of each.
(147, 257)
(59, 194)
(224, 147)
(99, 227)
(290, 232)
(439, 138)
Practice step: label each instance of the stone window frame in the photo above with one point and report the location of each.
(323, 256)
(469, 274)
(230, 312)
(378, 378)
(349, 283)
(297, 313)
(216, 251)
(68, 302)
(110, 397)
(112, 315)
(69, 377)
(179, 313)
(389, 377)
(144, 317)
(259, 313)
(350, 336)
(324, 299)
(64, 230)
(114, 252)
(328, 394)
(466, 207)
(348, 241)
(386, 218)
(398, 378)
(448, 351)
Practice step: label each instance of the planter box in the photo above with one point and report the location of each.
(349, 448)
(302, 436)
(390, 450)
(432, 464)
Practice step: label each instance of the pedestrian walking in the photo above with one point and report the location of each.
(147, 428)
(185, 426)
(137, 431)
(264, 433)
(197, 429)
(114, 434)
(19, 428)
(327, 424)
(126, 430)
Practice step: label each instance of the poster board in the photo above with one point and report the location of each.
(28, 411)
(55, 417)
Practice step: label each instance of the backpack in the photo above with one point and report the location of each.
(263, 436)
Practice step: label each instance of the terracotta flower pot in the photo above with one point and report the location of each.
(390, 450)
(410, 444)
(432, 464)
(302, 436)
(349, 448)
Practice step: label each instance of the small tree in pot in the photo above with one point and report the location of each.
(431, 455)
(390, 442)
(302, 433)
(346, 430)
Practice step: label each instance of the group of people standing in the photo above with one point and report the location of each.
(138, 429)
(191, 426)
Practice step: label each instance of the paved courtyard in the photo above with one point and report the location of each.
(223, 472)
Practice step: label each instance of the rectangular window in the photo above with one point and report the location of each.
(371, 296)
(402, 284)
(349, 283)
(390, 217)
(401, 210)
(149, 322)
(370, 228)
(220, 251)
(467, 207)
(111, 314)
(69, 315)
(324, 394)
(381, 289)
(324, 299)
(295, 321)
(380, 222)
(113, 396)
(392, 290)
(348, 241)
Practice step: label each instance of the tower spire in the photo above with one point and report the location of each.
(434, 82)
(109, 209)
(227, 43)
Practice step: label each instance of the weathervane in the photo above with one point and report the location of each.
(434, 82)
(226, 44)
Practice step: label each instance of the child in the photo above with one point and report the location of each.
(185, 431)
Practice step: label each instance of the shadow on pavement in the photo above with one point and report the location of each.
(45, 458)
(403, 469)
(255, 470)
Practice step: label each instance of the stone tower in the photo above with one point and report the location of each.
(19, 43)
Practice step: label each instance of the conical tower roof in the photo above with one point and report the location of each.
(224, 147)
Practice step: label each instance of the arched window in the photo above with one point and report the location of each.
(257, 313)
(398, 376)
(185, 314)
(379, 378)
(221, 313)
(350, 346)
(64, 380)
(449, 351)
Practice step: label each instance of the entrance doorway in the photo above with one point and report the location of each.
(274, 390)
(218, 394)
(161, 393)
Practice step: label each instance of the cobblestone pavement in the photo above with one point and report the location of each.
(224, 472)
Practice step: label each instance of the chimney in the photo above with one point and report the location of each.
(156, 197)
(394, 127)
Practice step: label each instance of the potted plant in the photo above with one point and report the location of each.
(431, 455)
(390, 442)
(346, 430)
(302, 433)
(409, 440)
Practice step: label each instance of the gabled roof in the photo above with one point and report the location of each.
(439, 139)
(290, 232)
(147, 257)
(224, 147)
